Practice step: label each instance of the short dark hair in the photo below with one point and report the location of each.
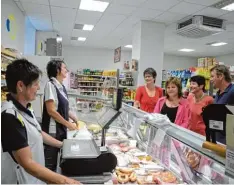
(200, 80)
(53, 67)
(150, 71)
(21, 70)
(222, 69)
(176, 81)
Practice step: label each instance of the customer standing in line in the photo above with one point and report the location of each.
(22, 155)
(173, 105)
(148, 94)
(197, 101)
(221, 79)
(56, 114)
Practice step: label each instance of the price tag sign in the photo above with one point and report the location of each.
(230, 146)
(230, 162)
(217, 125)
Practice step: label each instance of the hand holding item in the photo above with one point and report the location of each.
(72, 126)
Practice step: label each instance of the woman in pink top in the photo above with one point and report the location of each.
(197, 100)
(173, 105)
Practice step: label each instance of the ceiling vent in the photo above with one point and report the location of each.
(200, 26)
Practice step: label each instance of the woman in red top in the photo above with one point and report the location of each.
(148, 95)
(197, 100)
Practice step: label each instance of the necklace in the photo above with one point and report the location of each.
(198, 99)
(173, 103)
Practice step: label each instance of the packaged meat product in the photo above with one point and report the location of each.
(165, 178)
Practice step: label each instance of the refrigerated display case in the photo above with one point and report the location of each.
(164, 152)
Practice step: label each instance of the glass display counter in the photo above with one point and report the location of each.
(169, 148)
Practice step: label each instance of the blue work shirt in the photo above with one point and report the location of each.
(227, 97)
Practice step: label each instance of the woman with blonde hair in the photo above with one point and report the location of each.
(173, 105)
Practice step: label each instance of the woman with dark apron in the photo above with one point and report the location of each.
(56, 114)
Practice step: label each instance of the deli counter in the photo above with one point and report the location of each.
(149, 149)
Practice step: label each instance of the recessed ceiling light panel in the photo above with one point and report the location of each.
(81, 39)
(91, 5)
(128, 46)
(88, 27)
(186, 50)
(225, 5)
(219, 44)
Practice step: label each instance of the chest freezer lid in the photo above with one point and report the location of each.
(73, 149)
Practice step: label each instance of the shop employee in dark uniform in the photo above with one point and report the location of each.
(56, 114)
(221, 79)
(22, 154)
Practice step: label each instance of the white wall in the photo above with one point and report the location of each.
(172, 62)
(226, 59)
(17, 27)
(81, 57)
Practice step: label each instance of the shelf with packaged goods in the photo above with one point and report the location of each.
(89, 87)
(87, 91)
(128, 87)
(8, 53)
(91, 81)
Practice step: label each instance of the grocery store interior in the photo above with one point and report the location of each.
(106, 46)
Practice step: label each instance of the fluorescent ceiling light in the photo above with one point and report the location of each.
(59, 39)
(88, 27)
(187, 50)
(219, 44)
(229, 7)
(92, 5)
(81, 39)
(128, 46)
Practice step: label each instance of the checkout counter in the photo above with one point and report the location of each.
(174, 148)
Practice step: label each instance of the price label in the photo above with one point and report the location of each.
(217, 125)
(230, 162)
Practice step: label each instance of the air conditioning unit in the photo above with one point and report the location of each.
(200, 26)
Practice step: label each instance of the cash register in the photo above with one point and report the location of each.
(81, 158)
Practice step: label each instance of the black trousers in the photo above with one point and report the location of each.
(51, 156)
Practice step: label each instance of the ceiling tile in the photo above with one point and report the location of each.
(80, 33)
(120, 32)
(87, 17)
(111, 19)
(36, 8)
(68, 3)
(43, 2)
(19, 6)
(145, 13)
(213, 12)
(161, 5)
(64, 28)
(203, 2)
(63, 11)
(186, 8)
(76, 43)
(120, 9)
(129, 2)
(130, 21)
(230, 27)
(63, 14)
(169, 17)
(229, 17)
